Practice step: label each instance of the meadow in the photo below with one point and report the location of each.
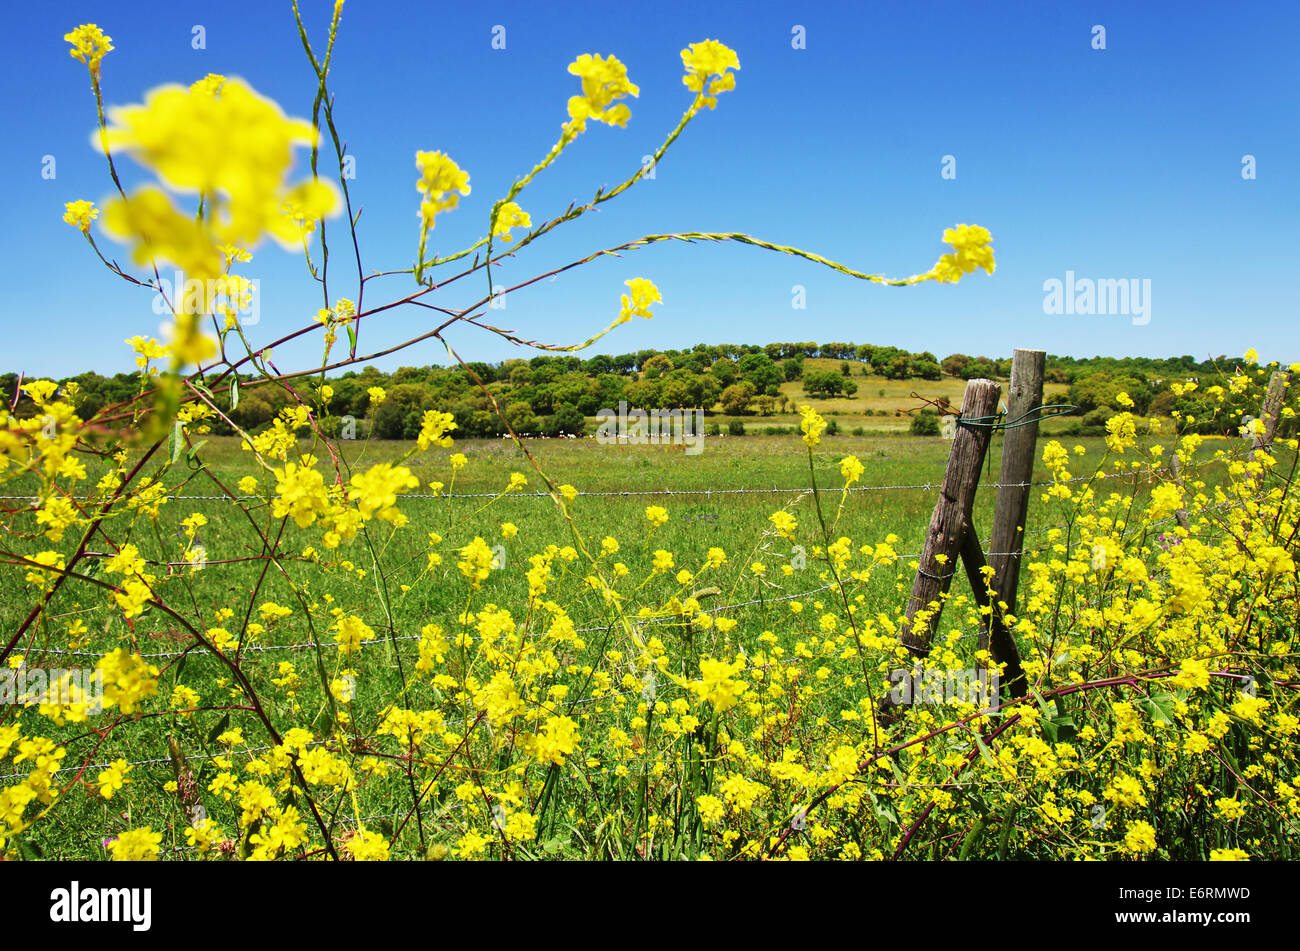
(633, 786)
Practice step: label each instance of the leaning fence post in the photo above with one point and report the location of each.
(1270, 413)
(1024, 396)
(1176, 472)
(939, 555)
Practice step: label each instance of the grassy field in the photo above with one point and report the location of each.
(880, 405)
(385, 577)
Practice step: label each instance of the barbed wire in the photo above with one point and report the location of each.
(636, 493)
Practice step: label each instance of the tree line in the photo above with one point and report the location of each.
(550, 395)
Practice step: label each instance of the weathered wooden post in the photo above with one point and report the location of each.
(1024, 396)
(1176, 472)
(943, 540)
(1270, 413)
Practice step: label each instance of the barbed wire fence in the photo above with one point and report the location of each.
(669, 685)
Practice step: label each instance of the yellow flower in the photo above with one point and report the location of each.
(656, 514)
(603, 82)
(509, 529)
(368, 846)
(812, 425)
(715, 684)
(114, 778)
(711, 809)
(644, 293)
(80, 213)
(1192, 673)
(235, 148)
(89, 44)
(377, 395)
(510, 216)
(971, 249)
(434, 427)
(136, 845)
(442, 182)
(569, 492)
(558, 738)
(1230, 809)
(704, 61)
(475, 561)
(1229, 855)
(785, 523)
(1121, 431)
(375, 491)
(851, 469)
(1141, 837)
(351, 633)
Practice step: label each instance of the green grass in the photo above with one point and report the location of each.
(353, 576)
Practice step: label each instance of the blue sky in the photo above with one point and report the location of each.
(1122, 163)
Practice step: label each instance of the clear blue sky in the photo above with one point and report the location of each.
(1122, 163)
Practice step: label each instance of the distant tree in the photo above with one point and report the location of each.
(521, 418)
(737, 397)
(644, 394)
(759, 370)
(828, 383)
(656, 366)
(793, 369)
(724, 371)
(898, 368)
(954, 364)
(567, 420)
(927, 369)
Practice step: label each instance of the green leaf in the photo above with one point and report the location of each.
(972, 837)
(1160, 707)
(220, 728)
(352, 338)
(1004, 841)
(194, 450)
(176, 441)
(1061, 728)
(234, 392)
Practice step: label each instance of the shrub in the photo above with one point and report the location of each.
(925, 423)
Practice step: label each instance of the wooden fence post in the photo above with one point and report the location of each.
(1270, 413)
(1024, 395)
(943, 540)
(1176, 471)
